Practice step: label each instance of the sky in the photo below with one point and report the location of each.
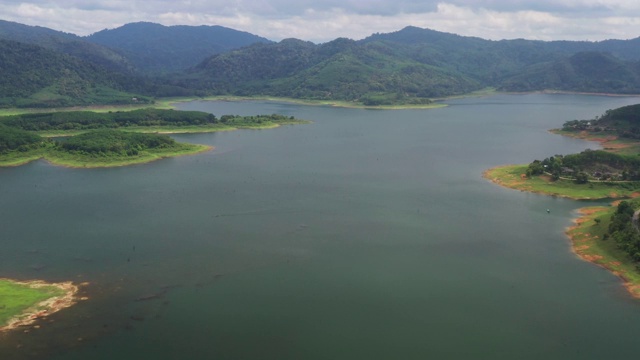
(324, 20)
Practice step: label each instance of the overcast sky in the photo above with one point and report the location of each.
(324, 20)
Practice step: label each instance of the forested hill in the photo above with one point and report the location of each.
(157, 48)
(624, 122)
(65, 43)
(416, 63)
(373, 73)
(593, 72)
(33, 76)
(409, 66)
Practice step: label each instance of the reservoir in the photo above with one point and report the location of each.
(367, 234)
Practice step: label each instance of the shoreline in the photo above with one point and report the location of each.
(43, 308)
(582, 241)
(586, 231)
(169, 102)
(126, 162)
(95, 165)
(333, 103)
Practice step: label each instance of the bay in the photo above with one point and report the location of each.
(366, 234)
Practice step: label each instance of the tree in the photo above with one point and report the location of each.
(582, 178)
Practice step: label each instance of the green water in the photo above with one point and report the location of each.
(366, 235)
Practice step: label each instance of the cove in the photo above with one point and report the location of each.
(366, 234)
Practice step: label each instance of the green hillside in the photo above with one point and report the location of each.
(582, 72)
(65, 43)
(622, 122)
(371, 73)
(413, 64)
(410, 66)
(37, 77)
(155, 48)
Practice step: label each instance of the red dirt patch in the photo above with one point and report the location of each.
(592, 258)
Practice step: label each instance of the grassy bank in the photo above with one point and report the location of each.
(336, 103)
(169, 103)
(587, 241)
(588, 232)
(19, 299)
(17, 158)
(176, 129)
(66, 159)
(62, 158)
(513, 177)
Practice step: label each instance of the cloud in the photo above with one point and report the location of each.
(321, 21)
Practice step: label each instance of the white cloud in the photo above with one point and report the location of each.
(321, 21)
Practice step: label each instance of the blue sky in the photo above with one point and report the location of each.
(321, 21)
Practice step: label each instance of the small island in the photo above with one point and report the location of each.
(23, 302)
(114, 138)
(607, 236)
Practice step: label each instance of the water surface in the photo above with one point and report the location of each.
(368, 234)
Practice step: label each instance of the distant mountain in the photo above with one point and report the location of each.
(155, 48)
(341, 69)
(582, 72)
(45, 67)
(413, 64)
(33, 76)
(64, 43)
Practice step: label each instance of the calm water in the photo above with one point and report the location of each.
(366, 235)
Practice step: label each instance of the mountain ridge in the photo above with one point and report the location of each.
(408, 66)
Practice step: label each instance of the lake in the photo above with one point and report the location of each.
(368, 234)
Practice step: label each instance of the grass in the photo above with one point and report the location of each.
(87, 161)
(588, 233)
(177, 129)
(587, 241)
(169, 103)
(18, 298)
(17, 158)
(336, 103)
(68, 159)
(512, 176)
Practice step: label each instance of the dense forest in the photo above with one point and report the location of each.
(624, 122)
(113, 138)
(106, 142)
(16, 139)
(623, 229)
(137, 62)
(88, 120)
(588, 165)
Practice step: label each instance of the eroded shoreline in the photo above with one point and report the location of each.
(43, 308)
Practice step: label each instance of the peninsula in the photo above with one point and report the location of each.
(114, 138)
(606, 236)
(23, 302)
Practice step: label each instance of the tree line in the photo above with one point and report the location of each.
(623, 231)
(87, 120)
(589, 164)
